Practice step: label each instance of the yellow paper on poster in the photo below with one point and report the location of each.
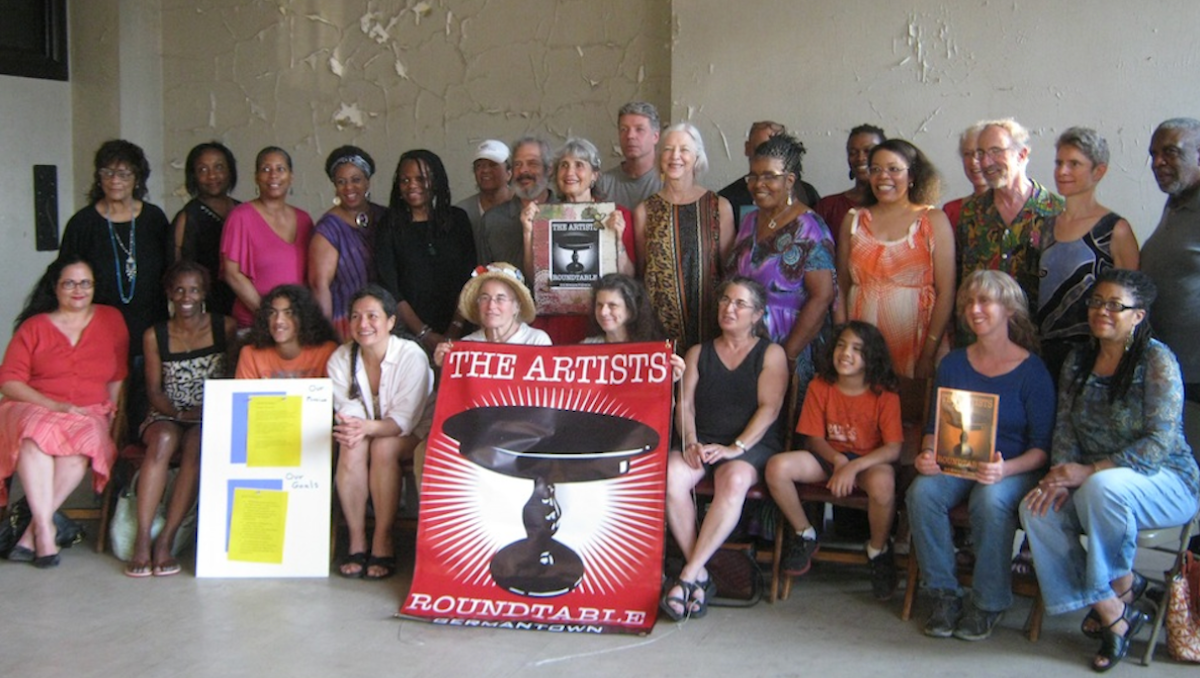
(273, 431)
(258, 525)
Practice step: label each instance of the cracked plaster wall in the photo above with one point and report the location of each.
(390, 76)
(925, 69)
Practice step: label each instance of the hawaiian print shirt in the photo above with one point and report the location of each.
(984, 241)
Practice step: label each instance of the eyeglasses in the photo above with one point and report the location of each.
(109, 174)
(739, 304)
(71, 285)
(769, 178)
(995, 152)
(499, 299)
(890, 171)
(1110, 305)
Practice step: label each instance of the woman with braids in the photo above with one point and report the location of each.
(340, 255)
(862, 139)
(896, 258)
(1120, 464)
(381, 384)
(786, 247)
(289, 339)
(426, 251)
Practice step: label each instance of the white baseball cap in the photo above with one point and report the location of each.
(490, 149)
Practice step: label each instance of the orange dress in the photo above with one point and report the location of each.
(891, 286)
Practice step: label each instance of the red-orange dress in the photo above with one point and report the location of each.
(41, 356)
(891, 286)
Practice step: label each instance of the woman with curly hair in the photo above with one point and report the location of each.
(290, 338)
(426, 252)
(896, 258)
(1001, 360)
(851, 419)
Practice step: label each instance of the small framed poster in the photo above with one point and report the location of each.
(965, 430)
(572, 248)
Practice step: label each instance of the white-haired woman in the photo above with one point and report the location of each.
(682, 234)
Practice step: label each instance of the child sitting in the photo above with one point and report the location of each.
(851, 419)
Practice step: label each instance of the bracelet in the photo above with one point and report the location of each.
(928, 449)
(424, 330)
(933, 340)
(457, 324)
(740, 445)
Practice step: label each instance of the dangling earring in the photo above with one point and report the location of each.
(851, 175)
(789, 202)
(204, 306)
(1129, 339)
(170, 309)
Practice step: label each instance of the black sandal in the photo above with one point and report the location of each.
(1091, 626)
(387, 563)
(1114, 646)
(707, 587)
(684, 602)
(359, 559)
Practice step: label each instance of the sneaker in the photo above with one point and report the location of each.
(883, 574)
(976, 624)
(947, 609)
(797, 555)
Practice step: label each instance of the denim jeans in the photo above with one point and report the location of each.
(1108, 510)
(993, 511)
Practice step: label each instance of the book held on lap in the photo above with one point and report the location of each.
(965, 430)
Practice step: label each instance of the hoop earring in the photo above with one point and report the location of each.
(337, 201)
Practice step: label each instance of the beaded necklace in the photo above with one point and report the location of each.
(130, 256)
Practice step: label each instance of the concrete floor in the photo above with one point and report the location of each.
(86, 619)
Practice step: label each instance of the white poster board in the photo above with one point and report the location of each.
(265, 478)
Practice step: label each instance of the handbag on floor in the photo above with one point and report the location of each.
(1183, 618)
(122, 526)
(18, 518)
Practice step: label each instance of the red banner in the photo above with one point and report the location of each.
(542, 496)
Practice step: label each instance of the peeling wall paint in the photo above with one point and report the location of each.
(926, 69)
(391, 76)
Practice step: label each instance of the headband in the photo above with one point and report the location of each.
(356, 160)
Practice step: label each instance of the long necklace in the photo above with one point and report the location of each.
(130, 255)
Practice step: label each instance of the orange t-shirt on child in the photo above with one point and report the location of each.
(850, 424)
(266, 363)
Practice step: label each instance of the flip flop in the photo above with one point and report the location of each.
(359, 559)
(138, 569)
(168, 568)
(387, 563)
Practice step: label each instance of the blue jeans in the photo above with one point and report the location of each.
(993, 511)
(1107, 510)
